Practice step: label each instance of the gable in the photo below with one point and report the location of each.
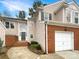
(74, 6)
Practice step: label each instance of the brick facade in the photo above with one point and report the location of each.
(10, 40)
(51, 36)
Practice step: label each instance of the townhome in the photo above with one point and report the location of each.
(57, 27)
(15, 31)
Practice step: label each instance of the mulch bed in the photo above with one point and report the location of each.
(3, 53)
(3, 56)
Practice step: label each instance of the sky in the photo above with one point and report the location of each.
(13, 6)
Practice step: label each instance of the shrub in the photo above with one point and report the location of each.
(35, 46)
(1, 42)
(34, 42)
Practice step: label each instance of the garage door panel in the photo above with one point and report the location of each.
(63, 40)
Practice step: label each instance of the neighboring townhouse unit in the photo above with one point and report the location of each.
(57, 27)
(15, 30)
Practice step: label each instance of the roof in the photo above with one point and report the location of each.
(13, 19)
(2, 25)
(63, 24)
(60, 3)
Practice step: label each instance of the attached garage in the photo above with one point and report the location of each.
(62, 38)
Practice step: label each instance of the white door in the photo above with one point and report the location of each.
(64, 40)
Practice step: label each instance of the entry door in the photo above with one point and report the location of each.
(64, 40)
(23, 36)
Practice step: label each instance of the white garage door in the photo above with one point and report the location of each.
(64, 40)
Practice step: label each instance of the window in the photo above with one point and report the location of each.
(76, 18)
(46, 16)
(42, 15)
(12, 25)
(50, 16)
(23, 36)
(9, 25)
(68, 15)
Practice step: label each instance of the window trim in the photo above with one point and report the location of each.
(10, 24)
(23, 35)
(67, 9)
(76, 17)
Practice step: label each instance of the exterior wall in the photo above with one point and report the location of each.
(58, 16)
(13, 31)
(2, 34)
(22, 27)
(10, 40)
(51, 9)
(31, 30)
(51, 36)
(40, 34)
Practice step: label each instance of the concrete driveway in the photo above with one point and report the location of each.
(69, 54)
(25, 53)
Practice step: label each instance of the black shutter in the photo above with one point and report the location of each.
(50, 16)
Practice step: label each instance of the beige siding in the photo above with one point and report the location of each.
(40, 34)
(13, 31)
(58, 16)
(2, 33)
(22, 27)
(31, 30)
(52, 9)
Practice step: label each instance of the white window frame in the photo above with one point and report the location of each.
(70, 15)
(46, 15)
(10, 24)
(75, 16)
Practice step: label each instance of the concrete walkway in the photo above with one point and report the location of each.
(21, 53)
(25, 53)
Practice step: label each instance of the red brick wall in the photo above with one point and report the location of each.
(10, 40)
(51, 36)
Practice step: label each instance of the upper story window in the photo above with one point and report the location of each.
(9, 25)
(68, 15)
(46, 16)
(76, 18)
(42, 15)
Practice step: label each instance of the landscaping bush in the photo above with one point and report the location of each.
(1, 43)
(34, 42)
(35, 46)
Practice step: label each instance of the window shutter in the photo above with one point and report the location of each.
(50, 16)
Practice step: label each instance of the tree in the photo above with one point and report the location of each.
(33, 11)
(0, 14)
(21, 14)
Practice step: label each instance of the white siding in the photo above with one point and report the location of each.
(31, 30)
(40, 34)
(2, 34)
(22, 27)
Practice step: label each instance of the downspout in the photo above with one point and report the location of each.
(45, 36)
